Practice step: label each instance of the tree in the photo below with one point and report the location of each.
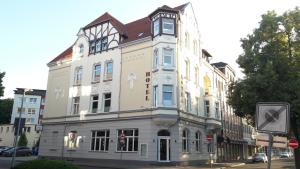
(271, 64)
(23, 140)
(1, 86)
(6, 106)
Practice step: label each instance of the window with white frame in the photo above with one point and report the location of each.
(22, 111)
(168, 26)
(206, 108)
(198, 141)
(131, 140)
(217, 112)
(187, 40)
(195, 47)
(107, 101)
(168, 57)
(98, 45)
(31, 111)
(81, 49)
(187, 69)
(104, 43)
(109, 70)
(197, 105)
(155, 58)
(32, 100)
(92, 47)
(96, 72)
(156, 27)
(155, 96)
(75, 105)
(185, 140)
(78, 75)
(197, 76)
(167, 95)
(100, 140)
(94, 103)
(187, 99)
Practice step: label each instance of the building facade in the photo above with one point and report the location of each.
(143, 89)
(32, 112)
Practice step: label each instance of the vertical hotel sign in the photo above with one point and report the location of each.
(147, 85)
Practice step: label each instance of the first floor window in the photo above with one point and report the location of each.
(206, 108)
(155, 58)
(167, 95)
(78, 76)
(100, 140)
(107, 102)
(97, 73)
(187, 102)
(168, 57)
(94, 103)
(109, 70)
(75, 106)
(155, 96)
(131, 140)
(198, 141)
(185, 141)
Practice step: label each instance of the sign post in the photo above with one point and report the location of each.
(272, 118)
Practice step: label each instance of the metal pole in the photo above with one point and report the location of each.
(270, 150)
(18, 132)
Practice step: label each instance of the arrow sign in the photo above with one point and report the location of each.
(272, 117)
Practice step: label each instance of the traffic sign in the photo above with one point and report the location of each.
(272, 117)
(293, 143)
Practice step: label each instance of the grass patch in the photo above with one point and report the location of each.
(46, 164)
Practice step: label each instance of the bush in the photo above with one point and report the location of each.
(46, 164)
(23, 140)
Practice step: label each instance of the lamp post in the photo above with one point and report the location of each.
(18, 130)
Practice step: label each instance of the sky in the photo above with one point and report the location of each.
(33, 32)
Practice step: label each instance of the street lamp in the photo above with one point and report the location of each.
(18, 130)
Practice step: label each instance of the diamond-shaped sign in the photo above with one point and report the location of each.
(272, 117)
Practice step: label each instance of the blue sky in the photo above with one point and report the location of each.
(33, 32)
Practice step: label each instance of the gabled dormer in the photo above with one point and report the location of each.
(163, 21)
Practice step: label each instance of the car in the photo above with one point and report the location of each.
(20, 151)
(4, 149)
(284, 155)
(260, 157)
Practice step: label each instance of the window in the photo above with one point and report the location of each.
(187, 40)
(131, 140)
(206, 108)
(168, 26)
(32, 100)
(195, 47)
(197, 105)
(31, 111)
(197, 76)
(156, 27)
(155, 96)
(28, 129)
(217, 113)
(7, 129)
(94, 103)
(187, 69)
(75, 108)
(167, 95)
(92, 47)
(100, 140)
(109, 70)
(78, 76)
(81, 49)
(185, 141)
(72, 139)
(198, 141)
(187, 99)
(107, 102)
(168, 57)
(155, 59)
(22, 111)
(98, 45)
(96, 72)
(104, 43)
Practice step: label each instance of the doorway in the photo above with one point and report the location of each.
(163, 146)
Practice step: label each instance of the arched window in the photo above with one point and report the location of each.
(195, 47)
(163, 133)
(207, 85)
(187, 40)
(185, 140)
(81, 49)
(198, 138)
(78, 75)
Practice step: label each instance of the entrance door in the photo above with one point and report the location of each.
(164, 149)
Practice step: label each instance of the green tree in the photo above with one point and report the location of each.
(23, 140)
(1, 86)
(6, 106)
(271, 65)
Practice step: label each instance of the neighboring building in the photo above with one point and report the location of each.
(249, 136)
(33, 108)
(144, 89)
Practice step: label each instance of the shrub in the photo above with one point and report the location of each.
(23, 140)
(46, 164)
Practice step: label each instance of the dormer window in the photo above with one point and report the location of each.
(98, 45)
(81, 49)
(168, 26)
(156, 27)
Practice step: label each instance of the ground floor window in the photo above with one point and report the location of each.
(100, 140)
(185, 141)
(130, 140)
(198, 141)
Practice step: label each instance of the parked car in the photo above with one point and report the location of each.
(20, 151)
(4, 149)
(260, 157)
(285, 155)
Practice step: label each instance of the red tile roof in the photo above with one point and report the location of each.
(132, 31)
(67, 54)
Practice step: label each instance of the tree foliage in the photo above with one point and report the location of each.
(23, 140)
(1, 86)
(271, 64)
(6, 106)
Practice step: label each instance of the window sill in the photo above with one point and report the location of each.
(126, 151)
(107, 80)
(95, 151)
(76, 85)
(95, 82)
(155, 70)
(168, 69)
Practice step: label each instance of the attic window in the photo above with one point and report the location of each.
(140, 34)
